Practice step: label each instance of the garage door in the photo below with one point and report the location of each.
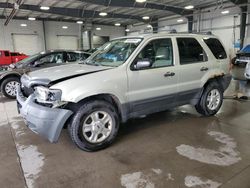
(26, 43)
(67, 42)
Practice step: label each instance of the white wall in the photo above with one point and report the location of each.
(52, 31)
(6, 32)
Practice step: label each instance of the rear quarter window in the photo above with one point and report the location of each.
(216, 48)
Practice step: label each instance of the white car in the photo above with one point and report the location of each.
(127, 78)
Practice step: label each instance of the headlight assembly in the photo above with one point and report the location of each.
(46, 95)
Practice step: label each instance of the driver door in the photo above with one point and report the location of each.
(153, 89)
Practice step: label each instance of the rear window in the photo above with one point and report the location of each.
(216, 48)
(190, 51)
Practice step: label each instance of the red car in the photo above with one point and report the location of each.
(7, 57)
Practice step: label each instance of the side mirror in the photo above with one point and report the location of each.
(142, 64)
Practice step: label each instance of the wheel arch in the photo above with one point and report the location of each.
(110, 98)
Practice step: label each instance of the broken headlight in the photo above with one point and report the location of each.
(46, 95)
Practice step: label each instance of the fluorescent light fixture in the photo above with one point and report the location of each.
(103, 14)
(180, 20)
(65, 27)
(225, 12)
(31, 18)
(117, 24)
(189, 7)
(98, 29)
(79, 22)
(44, 8)
(140, 1)
(127, 30)
(145, 17)
(23, 25)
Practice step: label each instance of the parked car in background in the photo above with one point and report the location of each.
(10, 79)
(7, 57)
(240, 70)
(127, 78)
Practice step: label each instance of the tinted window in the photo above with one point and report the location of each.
(158, 52)
(216, 48)
(51, 58)
(6, 53)
(76, 56)
(190, 51)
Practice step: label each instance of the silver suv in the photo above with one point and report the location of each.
(128, 77)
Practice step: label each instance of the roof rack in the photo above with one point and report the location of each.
(194, 32)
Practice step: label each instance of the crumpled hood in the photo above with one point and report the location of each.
(65, 71)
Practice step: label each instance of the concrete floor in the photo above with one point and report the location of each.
(177, 148)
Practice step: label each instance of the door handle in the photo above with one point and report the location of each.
(169, 74)
(204, 69)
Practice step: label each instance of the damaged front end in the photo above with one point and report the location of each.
(41, 108)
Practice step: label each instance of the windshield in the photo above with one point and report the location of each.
(27, 60)
(114, 53)
(246, 49)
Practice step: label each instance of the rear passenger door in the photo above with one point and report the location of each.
(194, 64)
(153, 89)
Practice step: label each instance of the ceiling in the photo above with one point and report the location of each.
(123, 15)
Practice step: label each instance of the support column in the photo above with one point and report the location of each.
(190, 23)
(243, 20)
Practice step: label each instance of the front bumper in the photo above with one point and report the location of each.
(45, 121)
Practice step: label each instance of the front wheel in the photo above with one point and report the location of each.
(94, 126)
(211, 100)
(9, 87)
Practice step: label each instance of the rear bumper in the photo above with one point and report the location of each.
(45, 121)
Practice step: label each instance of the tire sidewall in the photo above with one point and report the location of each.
(5, 82)
(208, 89)
(80, 117)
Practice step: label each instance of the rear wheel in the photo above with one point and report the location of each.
(211, 100)
(9, 87)
(94, 126)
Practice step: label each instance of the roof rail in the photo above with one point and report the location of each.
(194, 32)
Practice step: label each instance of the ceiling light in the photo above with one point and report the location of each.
(180, 20)
(189, 7)
(79, 22)
(127, 30)
(44, 8)
(31, 18)
(117, 24)
(103, 14)
(225, 12)
(23, 25)
(145, 17)
(98, 29)
(140, 1)
(65, 27)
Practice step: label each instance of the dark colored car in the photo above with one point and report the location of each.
(10, 79)
(240, 63)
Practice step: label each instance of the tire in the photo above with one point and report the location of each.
(86, 117)
(7, 87)
(207, 108)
